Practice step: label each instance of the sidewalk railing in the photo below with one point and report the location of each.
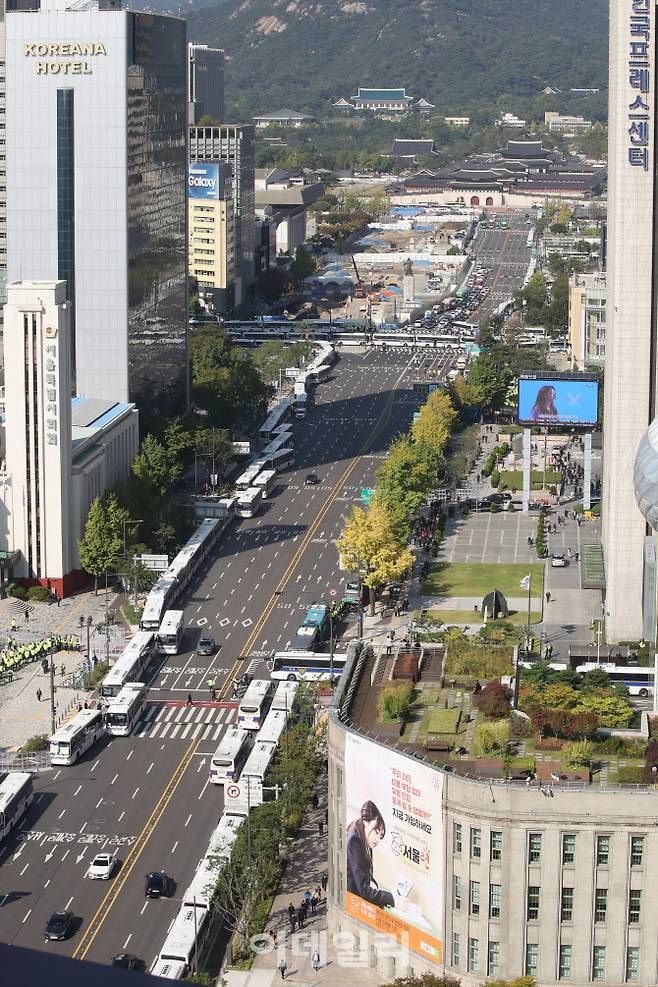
(36, 761)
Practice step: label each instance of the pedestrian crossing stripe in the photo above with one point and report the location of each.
(183, 722)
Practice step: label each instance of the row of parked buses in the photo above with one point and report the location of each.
(243, 757)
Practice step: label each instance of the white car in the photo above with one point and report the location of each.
(101, 867)
(558, 562)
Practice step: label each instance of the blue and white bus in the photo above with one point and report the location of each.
(638, 681)
(304, 666)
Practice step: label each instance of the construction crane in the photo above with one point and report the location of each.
(360, 291)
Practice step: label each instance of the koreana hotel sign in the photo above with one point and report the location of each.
(72, 56)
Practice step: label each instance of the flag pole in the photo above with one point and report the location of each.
(529, 592)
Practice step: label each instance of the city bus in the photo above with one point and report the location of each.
(200, 892)
(244, 481)
(171, 631)
(320, 375)
(266, 482)
(254, 771)
(273, 727)
(304, 666)
(255, 704)
(278, 442)
(279, 414)
(281, 460)
(187, 941)
(16, 794)
(638, 681)
(124, 711)
(129, 667)
(226, 763)
(249, 502)
(71, 740)
(284, 696)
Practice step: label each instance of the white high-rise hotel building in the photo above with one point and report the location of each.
(632, 332)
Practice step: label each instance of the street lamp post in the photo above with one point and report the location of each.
(88, 623)
(52, 689)
(136, 520)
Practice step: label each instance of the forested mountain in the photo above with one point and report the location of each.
(456, 53)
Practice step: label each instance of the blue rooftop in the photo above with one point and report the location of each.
(383, 94)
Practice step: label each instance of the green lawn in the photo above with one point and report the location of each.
(471, 617)
(513, 479)
(479, 578)
(444, 721)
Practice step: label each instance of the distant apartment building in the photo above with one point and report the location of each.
(511, 120)
(211, 234)
(587, 320)
(233, 144)
(566, 124)
(457, 121)
(283, 118)
(205, 92)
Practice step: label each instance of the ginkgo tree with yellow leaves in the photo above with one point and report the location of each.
(368, 546)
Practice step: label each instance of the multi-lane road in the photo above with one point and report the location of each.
(147, 796)
(506, 254)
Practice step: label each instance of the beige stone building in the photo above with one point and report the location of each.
(587, 320)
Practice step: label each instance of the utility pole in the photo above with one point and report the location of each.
(52, 691)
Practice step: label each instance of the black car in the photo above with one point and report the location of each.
(60, 925)
(311, 479)
(159, 885)
(125, 961)
(206, 646)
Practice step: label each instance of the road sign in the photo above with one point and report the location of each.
(367, 493)
(158, 563)
(233, 791)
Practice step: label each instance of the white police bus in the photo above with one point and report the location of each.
(16, 794)
(255, 704)
(170, 633)
(130, 666)
(226, 763)
(124, 711)
(71, 740)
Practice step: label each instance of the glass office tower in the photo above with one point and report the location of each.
(96, 178)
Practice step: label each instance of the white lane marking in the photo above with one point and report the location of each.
(24, 869)
(122, 815)
(68, 902)
(99, 802)
(144, 907)
(197, 730)
(173, 849)
(135, 792)
(65, 855)
(26, 917)
(77, 791)
(149, 769)
(94, 766)
(217, 732)
(186, 730)
(154, 731)
(188, 819)
(114, 779)
(203, 789)
(174, 731)
(61, 813)
(182, 713)
(165, 731)
(206, 732)
(127, 940)
(54, 779)
(130, 755)
(47, 883)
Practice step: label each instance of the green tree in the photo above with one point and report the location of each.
(577, 754)
(394, 702)
(491, 738)
(368, 546)
(612, 710)
(304, 265)
(155, 464)
(100, 546)
(491, 379)
(424, 980)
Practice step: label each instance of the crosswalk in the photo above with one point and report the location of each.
(183, 722)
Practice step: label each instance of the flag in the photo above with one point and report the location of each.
(525, 582)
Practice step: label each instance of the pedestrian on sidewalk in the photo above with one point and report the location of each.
(293, 922)
(291, 910)
(314, 904)
(189, 700)
(315, 960)
(13, 624)
(39, 694)
(27, 616)
(326, 816)
(548, 597)
(300, 917)
(283, 966)
(324, 881)
(321, 827)
(307, 897)
(273, 938)
(315, 801)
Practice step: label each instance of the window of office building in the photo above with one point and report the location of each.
(566, 905)
(534, 848)
(564, 969)
(496, 844)
(456, 949)
(456, 892)
(568, 848)
(457, 837)
(473, 955)
(66, 202)
(495, 896)
(632, 964)
(474, 897)
(634, 902)
(598, 963)
(533, 902)
(637, 850)
(531, 959)
(600, 905)
(493, 959)
(476, 843)
(602, 851)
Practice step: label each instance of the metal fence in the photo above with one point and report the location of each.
(36, 761)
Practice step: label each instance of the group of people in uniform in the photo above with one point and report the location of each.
(13, 655)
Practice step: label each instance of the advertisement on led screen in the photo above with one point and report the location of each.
(203, 181)
(563, 401)
(394, 846)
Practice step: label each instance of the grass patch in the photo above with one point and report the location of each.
(471, 617)
(470, 658)
(131, 613)
(444, 721)
(479, 578)
(513, 479)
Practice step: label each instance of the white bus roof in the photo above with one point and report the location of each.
(79, 721)
(11, 785)
(256, 691)
(157, 597)
(168, 969)
(277, 443)
(179, 944)
(264, 478)
(284, 697)
(171, 621)
(250, 495)
(201, 889)
(283, 429)
(249, 474)
(231, 743)
(258, 762)
(127, 696)
(272, 728)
